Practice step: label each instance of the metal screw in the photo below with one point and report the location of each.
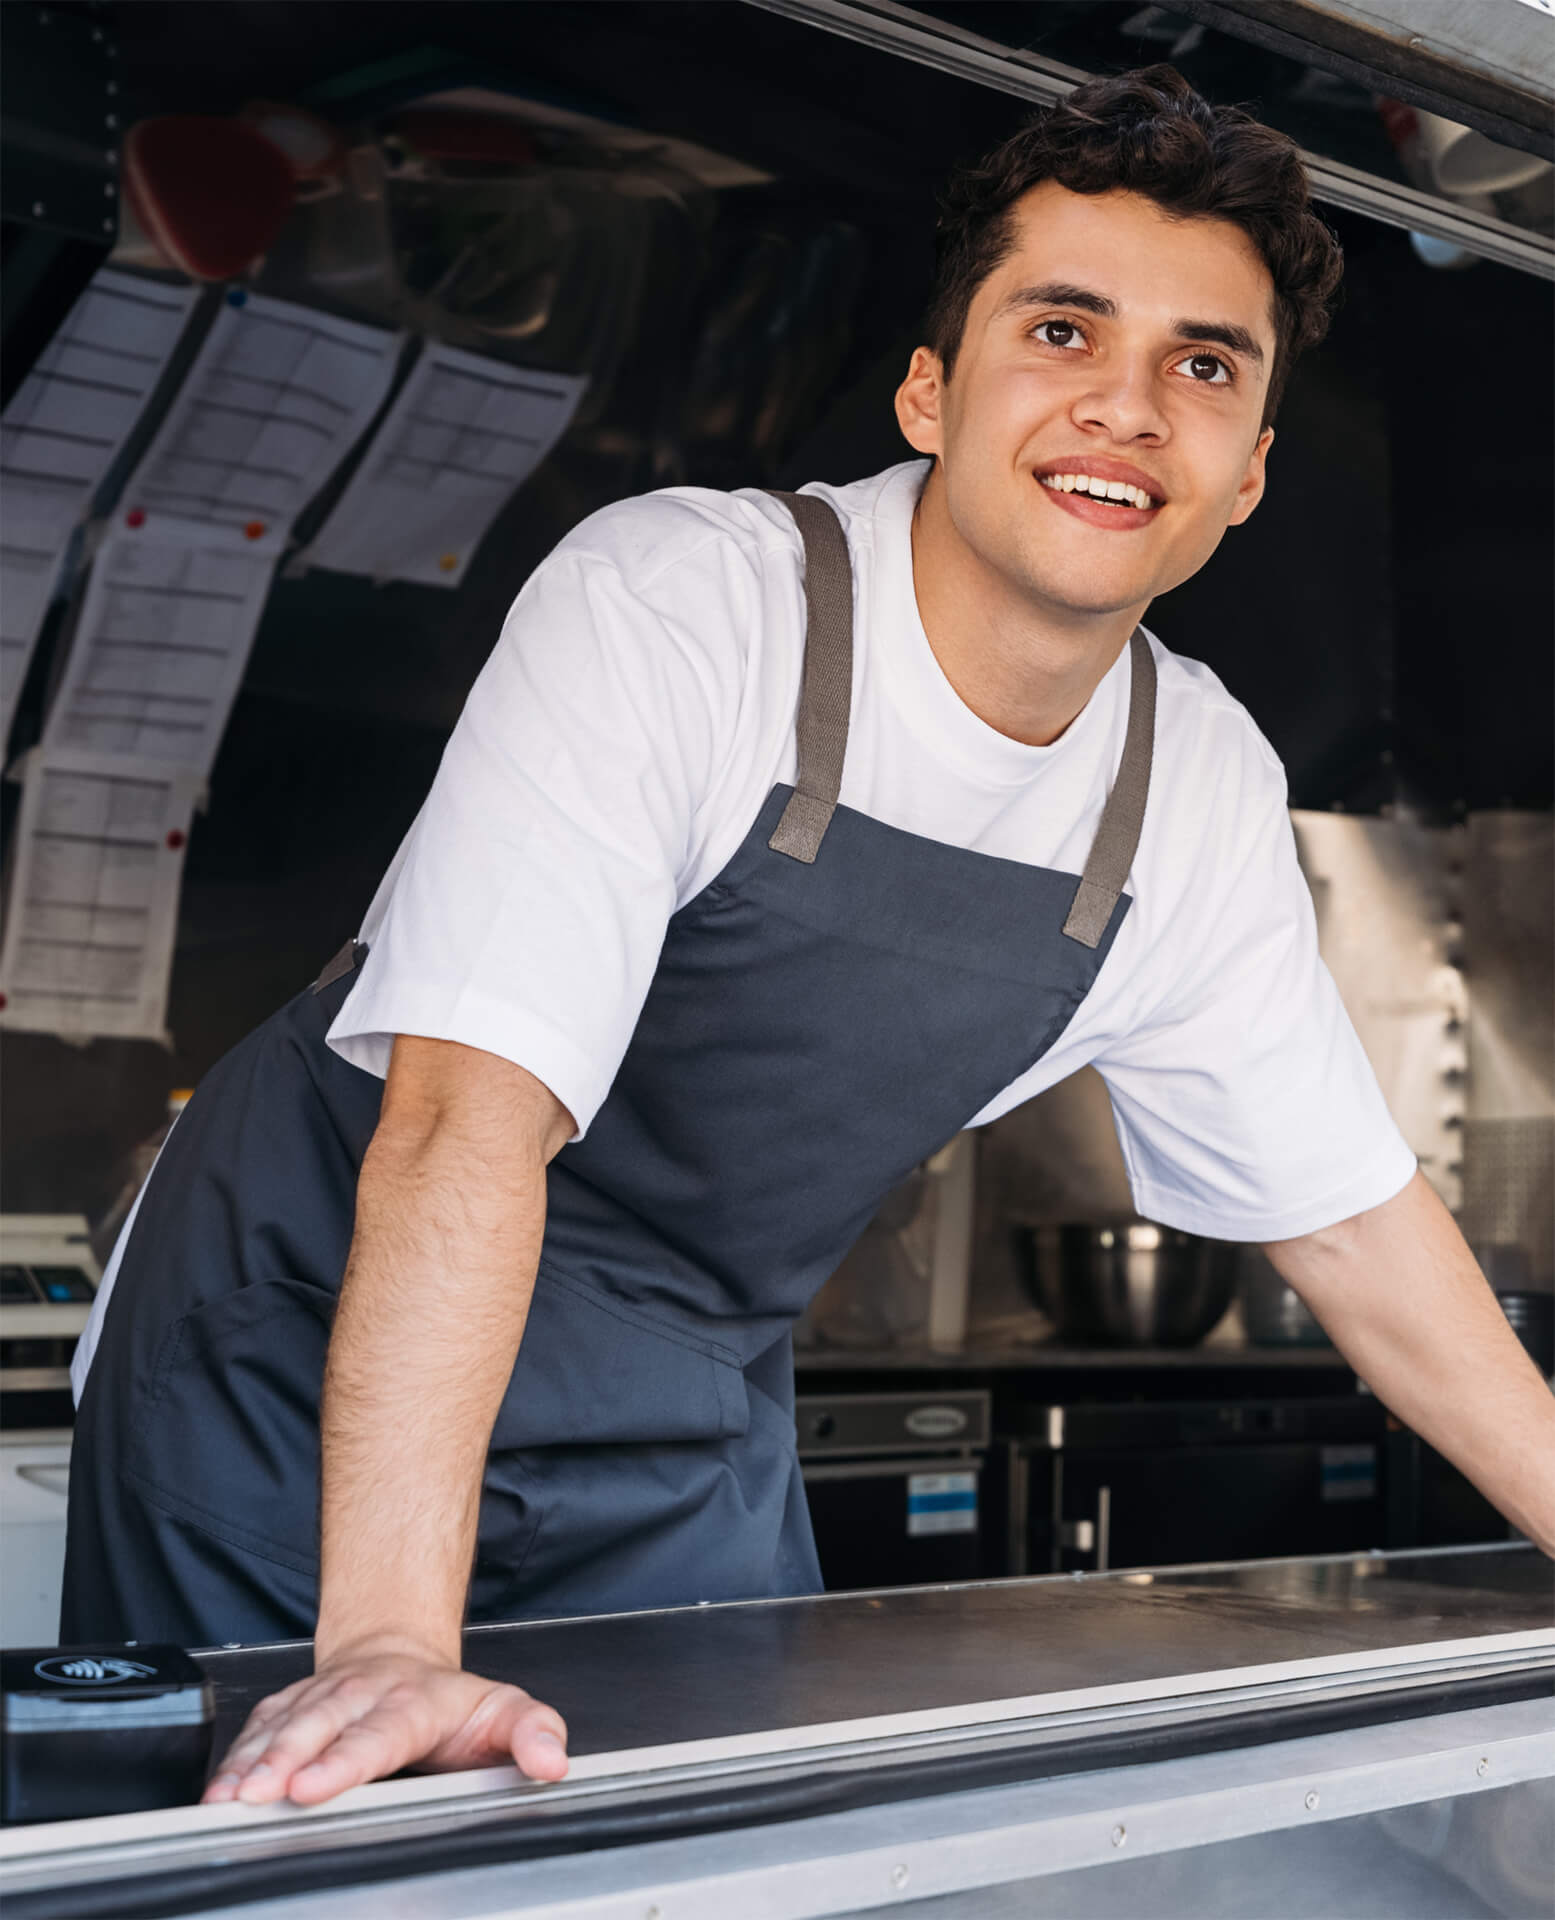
(1311, 1803)
(899, 1877)
(111, 120)
(112, 87)
(37, 209)
(655, 1912)
(109, 188)
(1119, 1835)
(1483, 1768)
(107, 226)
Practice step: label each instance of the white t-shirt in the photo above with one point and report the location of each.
(636, 712)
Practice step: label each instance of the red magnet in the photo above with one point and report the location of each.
(254, 529)
(176, 838)
(136, 517)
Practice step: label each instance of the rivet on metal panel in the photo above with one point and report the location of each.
(37, 209)
(1311, 1803)
(1119, 1835)
(111, 120)
(899, 1877)
(1483, 1768)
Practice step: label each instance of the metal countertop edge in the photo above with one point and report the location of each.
(227, 1866)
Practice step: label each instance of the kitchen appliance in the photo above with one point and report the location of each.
(1133, 1485)
(894, 1482)
(1127, 1282)
(48, 1280)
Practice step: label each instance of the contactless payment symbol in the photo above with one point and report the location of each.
(91, 1670)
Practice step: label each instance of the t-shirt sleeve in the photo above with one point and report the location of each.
(526, 908)
(1245, 1105)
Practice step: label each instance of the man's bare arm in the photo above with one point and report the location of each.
(449, 1218)
(1403, 1299)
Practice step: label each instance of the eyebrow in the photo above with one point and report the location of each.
(1059, 293)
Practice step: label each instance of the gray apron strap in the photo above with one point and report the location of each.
(826, 689)
(1117, 838)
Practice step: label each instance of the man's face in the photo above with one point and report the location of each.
(1114, 344)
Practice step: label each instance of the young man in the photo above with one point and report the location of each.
(778, 841)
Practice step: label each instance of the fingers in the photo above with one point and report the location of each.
(290, 1734)
(250, 1742)
(341, 1729)
(381, 1742)
(537, 1740)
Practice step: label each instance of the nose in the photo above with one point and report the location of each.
(1123, 400)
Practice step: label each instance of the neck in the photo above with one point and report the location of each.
(1024, 667)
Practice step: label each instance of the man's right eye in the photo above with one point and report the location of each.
(1058, 333)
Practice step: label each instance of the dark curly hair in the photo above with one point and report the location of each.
(1147, 132)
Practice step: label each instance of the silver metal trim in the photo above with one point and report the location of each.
(898, 1466)
(902, 30)
(1416, 1759)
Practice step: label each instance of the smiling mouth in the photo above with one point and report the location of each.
(1105, 493)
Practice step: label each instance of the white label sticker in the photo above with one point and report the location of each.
(1349, 1473)
(941, 1503)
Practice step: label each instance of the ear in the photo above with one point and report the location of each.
(1250, 489)
(918, 403)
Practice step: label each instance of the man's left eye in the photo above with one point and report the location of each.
(1208, 369)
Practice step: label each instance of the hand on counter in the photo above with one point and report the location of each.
(364, 1715)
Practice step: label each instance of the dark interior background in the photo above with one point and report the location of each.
(1386, 614)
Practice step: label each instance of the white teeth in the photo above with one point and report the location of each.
(1098, 489)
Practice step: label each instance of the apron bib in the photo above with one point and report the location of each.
(826, 1013)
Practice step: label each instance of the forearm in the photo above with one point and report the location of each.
(432, 1309)
(1402, 1298)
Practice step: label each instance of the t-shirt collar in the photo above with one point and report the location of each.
(916, 682)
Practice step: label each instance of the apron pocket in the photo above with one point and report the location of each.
(594, 1370)
(228, 1436)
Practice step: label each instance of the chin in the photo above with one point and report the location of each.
(1083, 595)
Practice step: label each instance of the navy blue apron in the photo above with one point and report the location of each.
(827, 1012)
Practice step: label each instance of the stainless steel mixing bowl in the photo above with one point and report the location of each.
(1130, 1283)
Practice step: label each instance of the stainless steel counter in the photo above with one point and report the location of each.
(1003, 1356)
(827, 1756)
(627, 1680)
